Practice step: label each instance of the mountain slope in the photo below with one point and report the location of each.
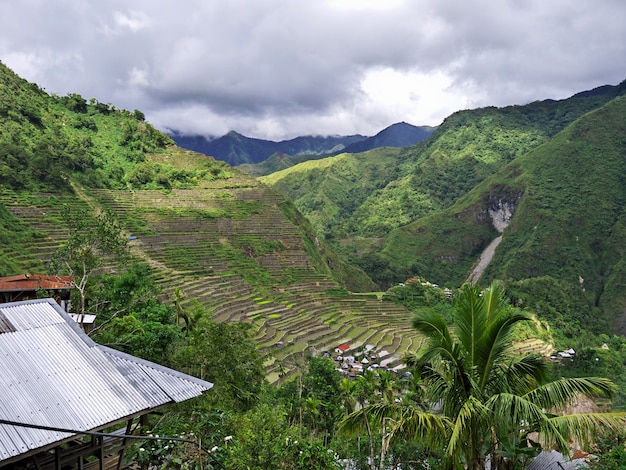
(238, 150)
(234, 248)
(329, 190)
(422, 179)
(565, 206)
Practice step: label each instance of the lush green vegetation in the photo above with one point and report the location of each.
(562, 252)
(44, 140)
(317, 419)
(328, 191)
(367, 195)
(229, 281)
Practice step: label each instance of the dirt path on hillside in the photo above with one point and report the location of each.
(485, 258)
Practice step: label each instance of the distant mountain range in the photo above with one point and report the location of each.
(237, 149)
(400, 134)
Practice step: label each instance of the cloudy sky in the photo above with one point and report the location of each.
(275, 69)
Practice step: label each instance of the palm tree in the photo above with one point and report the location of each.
(359, 419)
(482, 397)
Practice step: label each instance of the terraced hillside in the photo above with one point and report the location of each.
(222, 244)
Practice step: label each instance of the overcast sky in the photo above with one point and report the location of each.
(276, 69)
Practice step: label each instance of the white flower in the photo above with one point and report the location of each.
(228, 438)
(214, 449)
(141, 449)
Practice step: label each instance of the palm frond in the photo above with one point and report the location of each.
(519, 375)
(433, 325)
(470, 320)
(431, 429)
(584, 428)
(512, 414)
(470, 418)
(354, 423)
(495, 344)
(559, 393)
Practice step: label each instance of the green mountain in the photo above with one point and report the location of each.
(249, 154)
(213, 238)
(561, 209)
(275, 162)
(423, 179)
(548, 174)
(428, 210)
(400, 134)
(396, 135)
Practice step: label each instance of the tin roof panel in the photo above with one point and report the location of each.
(54, 374)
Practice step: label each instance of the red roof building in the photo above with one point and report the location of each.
(27, 286)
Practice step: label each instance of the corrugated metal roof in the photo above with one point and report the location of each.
(553, 460)
(55, 375)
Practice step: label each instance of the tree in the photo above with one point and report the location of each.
(91, 242)
(262, 439)
(225, 354)
(322, 394)
(484, 397)
(376, 413)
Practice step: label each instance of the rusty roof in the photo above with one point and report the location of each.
(28, 282)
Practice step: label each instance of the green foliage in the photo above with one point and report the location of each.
(148, 333)
(491, 399)
(417, 293)
(225, 355)
(561, 304)
(12, 232)
(262, 439)
(322, 258)
(348, 197)
(90, 240)
(563, 245)
(322, 398)
(44, 140)
(329, 191)
(611, 451)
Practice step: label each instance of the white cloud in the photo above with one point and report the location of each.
(412, 96)
(131, 21)
(138, 77)
(277, 69)
(368, 5)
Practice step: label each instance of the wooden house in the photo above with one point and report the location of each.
(29, 286)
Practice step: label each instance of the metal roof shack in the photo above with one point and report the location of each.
(55, 376)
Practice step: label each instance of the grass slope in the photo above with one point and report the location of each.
(564, 244)
(233, 246)
(356, 204)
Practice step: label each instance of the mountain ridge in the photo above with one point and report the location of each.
(237, 149)
(411, 216)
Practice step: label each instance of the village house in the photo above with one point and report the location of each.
(33, 286)
(30, 286)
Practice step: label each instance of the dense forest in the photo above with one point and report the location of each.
(334, 320)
